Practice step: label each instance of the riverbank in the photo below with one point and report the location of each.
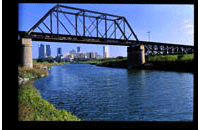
(181, 63)
(31, 106)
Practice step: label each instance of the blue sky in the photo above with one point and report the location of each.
(167, 23)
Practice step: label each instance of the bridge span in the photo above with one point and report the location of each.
(114, 30)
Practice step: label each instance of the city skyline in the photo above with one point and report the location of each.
(45, 51)
(167, 24)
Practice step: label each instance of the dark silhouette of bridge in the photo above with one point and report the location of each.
(68, 24)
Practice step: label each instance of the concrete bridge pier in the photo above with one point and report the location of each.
(136, 56)
(26, 52)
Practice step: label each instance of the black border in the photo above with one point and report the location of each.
(109, 124)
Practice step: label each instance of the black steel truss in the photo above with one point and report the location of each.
(83, 23)
(165, 49)
(68, 24)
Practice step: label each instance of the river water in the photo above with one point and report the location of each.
(95, 93)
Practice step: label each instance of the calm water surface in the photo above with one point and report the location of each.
(112, 94)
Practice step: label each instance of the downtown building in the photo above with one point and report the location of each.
(91, 55)
(79, 49)
(105, 52)
(44, 51)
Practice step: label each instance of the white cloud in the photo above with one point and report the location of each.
(189, 26)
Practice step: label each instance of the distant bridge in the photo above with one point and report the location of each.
(68, 24)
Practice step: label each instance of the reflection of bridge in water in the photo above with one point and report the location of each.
(68, 24)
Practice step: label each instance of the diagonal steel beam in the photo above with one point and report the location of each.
(65, 12)
(42, 19)
(113, 31)
(62, 25)
(92, 23)
(40, 29)
(109, 28)
(121, 30)
(97, 27)
(89, 11)
(46, 26)
(70, 22)
(85, 28)
(131, 29)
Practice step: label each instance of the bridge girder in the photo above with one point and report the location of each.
(68, 24)
(81, 22)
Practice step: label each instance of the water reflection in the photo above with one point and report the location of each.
(101, 93)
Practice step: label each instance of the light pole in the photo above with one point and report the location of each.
(149, 35)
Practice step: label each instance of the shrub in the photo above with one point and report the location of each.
(120, 57)
(40, 60)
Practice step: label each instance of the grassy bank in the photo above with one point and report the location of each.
(171, 58)
(47, 64)
(114, 62)
(31, 106)
(183, 62)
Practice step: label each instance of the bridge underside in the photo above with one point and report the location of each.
(48, 37)
(151, 48)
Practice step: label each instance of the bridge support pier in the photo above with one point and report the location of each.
(136, 56)
(26, 52)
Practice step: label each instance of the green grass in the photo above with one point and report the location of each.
(26, 72)
(31, 106)
(49, 64)
(171, 58)
(103, 61)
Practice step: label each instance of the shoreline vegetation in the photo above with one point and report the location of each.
(180, 63)
(31, 106)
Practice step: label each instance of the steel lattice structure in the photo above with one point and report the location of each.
(83, 24)
(68, 24)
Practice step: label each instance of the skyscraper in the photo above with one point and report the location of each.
(105, 52)
(73, 52)
(59, 51)
(48, 50)
(78, 49)
(41, 51)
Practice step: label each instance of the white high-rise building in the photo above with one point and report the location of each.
(105, 52)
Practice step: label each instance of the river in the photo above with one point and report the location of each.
(95, 93)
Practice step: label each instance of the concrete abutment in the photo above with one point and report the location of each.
(136, 56)
(26, 52)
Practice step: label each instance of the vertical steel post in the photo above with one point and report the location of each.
(83, 23)
(51, 21)
(76, 16)
(105, 27)
(57, 22)
(124, 28)
(97, 26)
(115, 29)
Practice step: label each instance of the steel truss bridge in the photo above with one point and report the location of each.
(68, 24)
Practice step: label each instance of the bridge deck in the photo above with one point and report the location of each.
(90, 40)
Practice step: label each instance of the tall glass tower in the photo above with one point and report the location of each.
(41, 51)
(59, 51)
(48, 50)
(78, 49)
